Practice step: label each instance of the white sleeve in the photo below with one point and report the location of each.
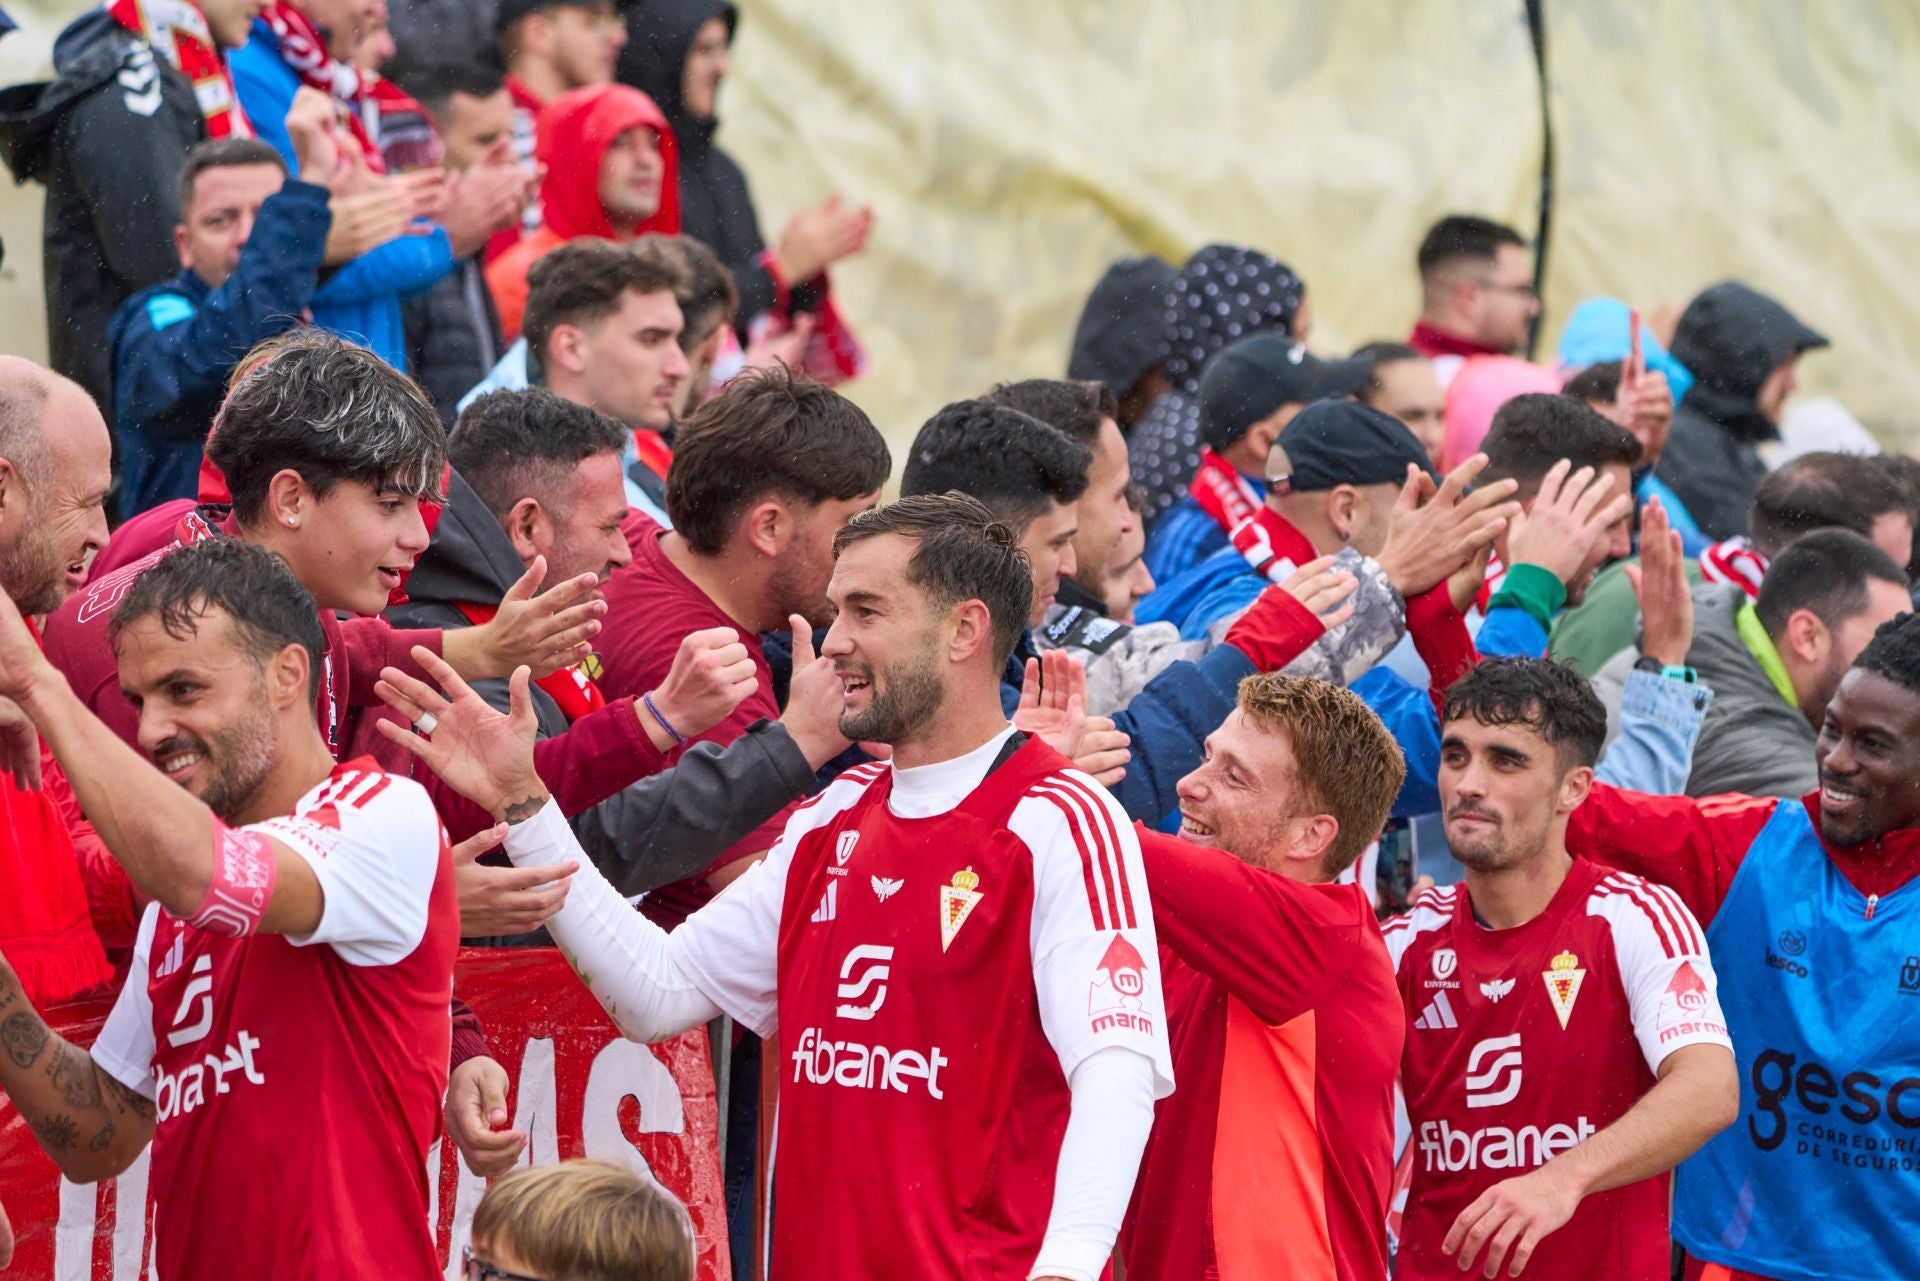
(1095, 957)
(1112, 1113)
(623, 958)
(125, 1047)
(731, 946)
(375, 850)
(1662, 954)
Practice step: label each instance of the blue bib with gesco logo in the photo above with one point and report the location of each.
(1820, 1175)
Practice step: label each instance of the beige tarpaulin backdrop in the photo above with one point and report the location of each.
(1013, 147)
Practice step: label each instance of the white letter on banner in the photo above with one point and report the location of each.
(625, 1068)
(130, 1218)
(73, 1235)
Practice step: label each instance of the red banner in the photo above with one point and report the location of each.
(579, 1089)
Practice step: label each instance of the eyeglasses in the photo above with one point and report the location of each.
(1523, 291)
(474, 1270)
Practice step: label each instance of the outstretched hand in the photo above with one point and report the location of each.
(1660, 583)
(485, 756)
(505, 900)
(1053, 708)
(1429, 538)
(541, 630)
(1571, 512)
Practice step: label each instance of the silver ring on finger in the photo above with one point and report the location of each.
(427, 723)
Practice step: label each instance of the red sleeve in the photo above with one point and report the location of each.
(112, 902)
(1275, 631)
(1277, 944)
(1694, 847)
(469, 1038)
(374, 643)
(1440, 637)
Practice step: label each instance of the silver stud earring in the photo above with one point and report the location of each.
(292, 521)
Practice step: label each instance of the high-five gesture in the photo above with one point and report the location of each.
(1660, 581)
(1569, 515)
(1434, 533)
(485, 756)
(542, 630)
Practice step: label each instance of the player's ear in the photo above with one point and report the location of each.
(972, 625)
(1314, 836)
(288, 677)
(1574, 787)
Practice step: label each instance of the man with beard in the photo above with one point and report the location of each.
(764, 476)
(954, 943)
(53, 485)
(1565, 1046)
(1275, 1156)
(1810, 911)
(300, 943)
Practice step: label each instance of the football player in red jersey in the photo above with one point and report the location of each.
(1565, 1046)
(956, 945)
(286, 961)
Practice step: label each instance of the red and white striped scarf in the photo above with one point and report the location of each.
(304, 49)
(1733, 561)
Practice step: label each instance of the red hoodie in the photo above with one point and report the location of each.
(574, 133)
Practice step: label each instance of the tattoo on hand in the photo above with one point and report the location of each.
(24, 1036)
(522, 810)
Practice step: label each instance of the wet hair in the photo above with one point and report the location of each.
(269, 607)
(510, 445)
(434, 84)
(964, 553)
(584, 280)
(708, 299)
(1014, 463)
(1346, 762)
(331, 411)
(1531, 433)
(1894, 652)
(1459, 236)
(1826, 572)
(221, 153)
(1552, 700)
(1824, 491)
(588, 1221)
(1074, 408)
(768, 432)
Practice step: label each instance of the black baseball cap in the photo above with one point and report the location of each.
(1341, 442)
(1248, 381)
(511, 11)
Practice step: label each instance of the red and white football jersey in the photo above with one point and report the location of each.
(1522, 1043)
(944, 962)
(298, 1081)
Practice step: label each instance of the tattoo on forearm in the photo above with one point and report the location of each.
(127, 1098)
(24, 1036)
(522, 810)
(72, 1073)
(103, 1137)
(57, 1132)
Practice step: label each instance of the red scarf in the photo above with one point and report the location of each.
(46, 931)
(179, 31)
(1734, 561)
(304, 50)
(653, 452)
(1431, 342)
(573, 688)
(1266, 538)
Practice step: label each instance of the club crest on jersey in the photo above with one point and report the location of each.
(1116, 997)
(957, 902)
(1445, 962)
(843, 848)
(1563, 976)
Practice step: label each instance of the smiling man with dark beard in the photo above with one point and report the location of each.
(1811, 913)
